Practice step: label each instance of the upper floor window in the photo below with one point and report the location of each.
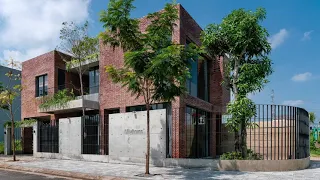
(94, 80)
(42, 85)
(192, 83)
(198, 83)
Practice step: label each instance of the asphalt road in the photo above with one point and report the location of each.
(14, 175)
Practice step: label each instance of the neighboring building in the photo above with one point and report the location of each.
(190, 123)
(16, 103)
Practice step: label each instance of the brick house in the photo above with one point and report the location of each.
(192, 118)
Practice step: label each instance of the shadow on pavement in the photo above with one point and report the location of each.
(183, 173)
(314, 164)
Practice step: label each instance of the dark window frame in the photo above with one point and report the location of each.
(44, 88)
(95, 82)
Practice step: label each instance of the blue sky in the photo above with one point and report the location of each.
(30, 28)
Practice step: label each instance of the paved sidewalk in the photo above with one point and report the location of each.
(131, 171)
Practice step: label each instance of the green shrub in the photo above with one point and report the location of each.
(312, 142)
(17, 143)
(1, 148)
(238, 156)
(59, 99)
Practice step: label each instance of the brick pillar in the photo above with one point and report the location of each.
(122, 109)
(182, 130)
(103, 139)
(178, 129)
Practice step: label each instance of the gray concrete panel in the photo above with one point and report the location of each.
(127, 134)
(70, 136)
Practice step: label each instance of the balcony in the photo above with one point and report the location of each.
(69, 100)
(86, 64)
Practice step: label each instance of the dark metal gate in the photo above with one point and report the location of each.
(90, 135)
(48, 137)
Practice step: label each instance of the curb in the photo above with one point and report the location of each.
(60, 173)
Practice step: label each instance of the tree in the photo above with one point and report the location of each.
(154, 67)
(312, 117)
(83, 49)
(243, 41)
(8, 94)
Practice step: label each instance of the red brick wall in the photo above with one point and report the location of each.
(37, 66)
(44, 64)
(113, 96)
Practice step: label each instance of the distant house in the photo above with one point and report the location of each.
(17, 102)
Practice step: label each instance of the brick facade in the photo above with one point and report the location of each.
(49, 64)
(113, 96)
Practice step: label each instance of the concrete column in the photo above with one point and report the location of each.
(35, 138)
(7, 141)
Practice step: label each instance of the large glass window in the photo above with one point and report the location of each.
(203, 80)
(198, 83)
(143, 107)
(94, 80)
(42, 85)
(61, 79)
(197, 132)
(192, 82)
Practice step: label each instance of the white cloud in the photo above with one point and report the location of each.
(278, 38)
(307, 35)
(30, 28)
(26, 55)
(302, 77)
(293, 102)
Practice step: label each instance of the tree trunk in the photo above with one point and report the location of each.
(81, 91)
(148, 139)
(243, 138)
(12, 134)
(237, 142)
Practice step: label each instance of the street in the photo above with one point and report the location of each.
(14, 175)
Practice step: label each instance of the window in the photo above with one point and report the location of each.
(203, 80)
(143, 107)
(198, 83)
(94, 80)
(192, 83)
(197, 133)
(61, 79)
(42, 85)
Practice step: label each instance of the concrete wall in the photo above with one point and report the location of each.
(127, 134)
(70, 136)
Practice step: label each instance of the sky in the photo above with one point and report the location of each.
(31, 28)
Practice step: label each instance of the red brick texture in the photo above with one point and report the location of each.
(32, 68)
(49, 64)
(113, 96)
